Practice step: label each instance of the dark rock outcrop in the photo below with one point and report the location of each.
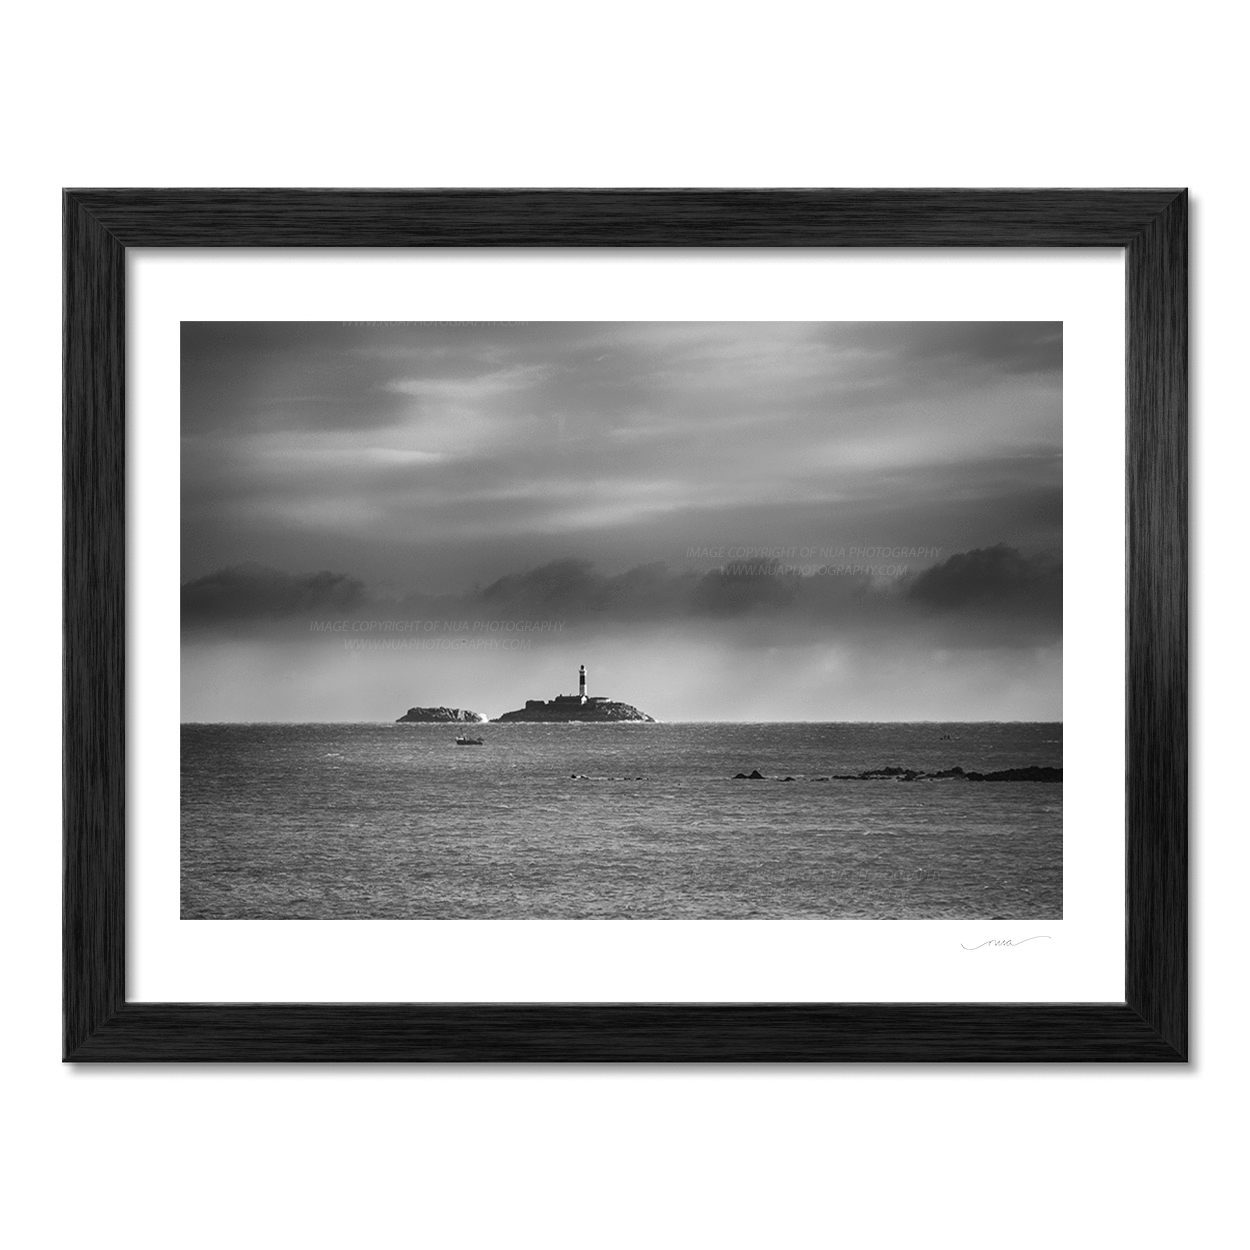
(894, 773)
(438, 715)
(1032, 773)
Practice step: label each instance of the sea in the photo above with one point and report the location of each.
(616, 821)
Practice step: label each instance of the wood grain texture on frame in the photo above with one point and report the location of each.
(99, 1025)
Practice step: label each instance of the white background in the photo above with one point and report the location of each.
(675, 94)
(1082, 958)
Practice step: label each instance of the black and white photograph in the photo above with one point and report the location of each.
(629, 620)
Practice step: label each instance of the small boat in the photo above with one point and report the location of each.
(470, 742)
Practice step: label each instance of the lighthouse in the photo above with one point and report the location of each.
(581, 682)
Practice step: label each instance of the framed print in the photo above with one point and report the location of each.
(625, 625)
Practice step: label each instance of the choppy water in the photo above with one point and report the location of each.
(395, 821)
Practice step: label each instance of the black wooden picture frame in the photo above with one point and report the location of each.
(1150, 1025)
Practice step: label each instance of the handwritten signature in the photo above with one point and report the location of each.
(1005, 941)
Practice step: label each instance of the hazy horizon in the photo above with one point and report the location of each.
(453, 725)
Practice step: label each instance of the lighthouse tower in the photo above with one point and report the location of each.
(581, 682)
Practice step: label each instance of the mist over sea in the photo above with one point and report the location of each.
(357, 821)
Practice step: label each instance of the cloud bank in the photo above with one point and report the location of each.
(996, 583)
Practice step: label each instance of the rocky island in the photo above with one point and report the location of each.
(437, 715)
(575, 707)
(1032, 773)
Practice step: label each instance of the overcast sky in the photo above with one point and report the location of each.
(603, 476)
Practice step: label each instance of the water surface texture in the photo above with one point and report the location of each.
(396, 821)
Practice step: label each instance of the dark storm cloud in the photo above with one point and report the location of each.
(252, 592)
(568, 588)
(976, 585)
(747, 586)
(993, 579)
(575, 588)
(653, 592)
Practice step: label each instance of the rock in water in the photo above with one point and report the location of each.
(437, 715)
(1032, 773)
